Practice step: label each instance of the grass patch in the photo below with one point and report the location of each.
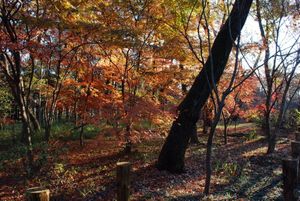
(60, 130)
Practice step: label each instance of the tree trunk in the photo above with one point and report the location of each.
(81, 136)
(208, 163)
(38, 113)
(26, 139)
(225, 121)
(209, 153)
(59, 115)
(50, 114)
(271, 137)
(47, 131)
(74, 112)
(34, 121)
(67, 114)
(280, 118)
(204, 127)
(171, 157)
(194, 136)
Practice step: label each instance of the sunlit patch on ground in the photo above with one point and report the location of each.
(255, 152)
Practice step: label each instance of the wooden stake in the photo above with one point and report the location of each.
(296, 154)
(290, 175)
(123, 181)
(37, 194)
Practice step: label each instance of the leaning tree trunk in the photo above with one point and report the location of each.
(171, 157)
(194, 136)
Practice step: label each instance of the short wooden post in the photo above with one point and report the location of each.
(123, 180)
(296, 154)
(290, 175)
(37, 194)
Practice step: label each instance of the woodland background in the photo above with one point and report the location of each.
(84, 84)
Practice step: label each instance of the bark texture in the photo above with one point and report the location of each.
(290, 175)
(171, 157)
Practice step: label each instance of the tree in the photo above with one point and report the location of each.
(171, 157)
(277, 73)
(239, 101)
(13, 41)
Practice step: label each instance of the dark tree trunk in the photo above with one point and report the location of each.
(271, 136)
(55, 114)
(38, 115)
(194, 136)
(81, 136)
(74, 118)
(204, 128)
(171, 157)
(59, 115)
(34, 121)
(225, 133)
(47, 132)
(26, 138)
(209, 146)
(67, 114)
(49, 118)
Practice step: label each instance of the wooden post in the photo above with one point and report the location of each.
(37, 194)
(123, 181)
(290, 175)
(296, 154)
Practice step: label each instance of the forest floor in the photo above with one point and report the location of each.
(241, 170)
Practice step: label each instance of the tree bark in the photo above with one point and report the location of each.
(34, 121)
(171, 157)
(209, 147)
(225, 121)
(59, 115)
(81, 136)
(290, 175)
(271, 137)
(67, 114)
(47, 131)
(194, 136)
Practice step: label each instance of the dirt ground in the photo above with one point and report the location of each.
(241, 170)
